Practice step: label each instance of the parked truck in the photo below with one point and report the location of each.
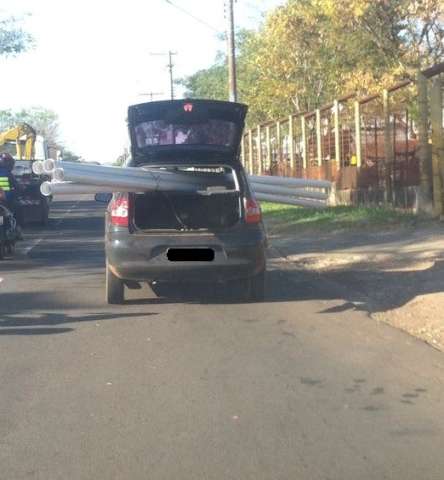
(23, 143)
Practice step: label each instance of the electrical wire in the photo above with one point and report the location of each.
(186, 12)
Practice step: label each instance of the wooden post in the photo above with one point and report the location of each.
(425, 204)
(304, 142)
(259, 150)
(243, 159)
(268, 142)
(437, 144)
(358, 141)
(291, 144)
(318, 136)
(278, 141)
(337, 125)
(250, 152)
(388, 148)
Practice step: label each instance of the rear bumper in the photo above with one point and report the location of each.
(143, 257)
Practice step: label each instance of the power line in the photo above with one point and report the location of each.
(186, 12)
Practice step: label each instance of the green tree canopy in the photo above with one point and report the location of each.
(307, 52)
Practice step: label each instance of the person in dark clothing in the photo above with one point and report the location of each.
(8, 183)
(9, 189)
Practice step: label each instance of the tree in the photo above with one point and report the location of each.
(13, 39)
(69, 156)
(121, 159)
(308, 52)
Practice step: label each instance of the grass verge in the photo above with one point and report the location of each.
(286, 217)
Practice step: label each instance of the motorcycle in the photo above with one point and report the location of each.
(9, 232)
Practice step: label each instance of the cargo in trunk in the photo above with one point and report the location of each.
(215, 207)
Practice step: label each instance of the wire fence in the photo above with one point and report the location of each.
(367, 146)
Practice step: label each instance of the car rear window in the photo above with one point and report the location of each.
(161, 132)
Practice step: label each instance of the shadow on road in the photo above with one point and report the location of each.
(73, 242)
(18, 317)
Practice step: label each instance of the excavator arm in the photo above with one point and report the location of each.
(24, 137)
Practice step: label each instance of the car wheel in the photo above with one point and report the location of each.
(115, 288)
(257, 287)
(2, 250)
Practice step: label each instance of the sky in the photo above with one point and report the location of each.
(93, 58)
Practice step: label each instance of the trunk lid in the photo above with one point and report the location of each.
(184, 130)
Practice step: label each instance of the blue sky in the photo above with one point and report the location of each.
(92, 59)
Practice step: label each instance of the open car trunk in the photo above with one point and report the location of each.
(216, 206)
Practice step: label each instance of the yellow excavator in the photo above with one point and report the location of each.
(23, 136)
(20, 142)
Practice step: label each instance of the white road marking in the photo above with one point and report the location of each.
(26, 250)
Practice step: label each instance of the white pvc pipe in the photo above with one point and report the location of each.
(37, 167)
(68, 188)
(289, 181)
(127, 182)
(292, 192)
(289, 201)
(71, 171)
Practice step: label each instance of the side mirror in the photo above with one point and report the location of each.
(103, 197)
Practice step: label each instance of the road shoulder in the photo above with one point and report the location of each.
(395, 275)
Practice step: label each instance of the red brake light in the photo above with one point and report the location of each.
(119, 211)
(252, 211)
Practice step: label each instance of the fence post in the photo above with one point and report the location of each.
(242, 151)
(437, 144)
(268, 141)
(358, 140)
(304, 142)
(250, 152)
(425, 170)
(337, 125)
(259, 150)
(291, 144)
(278, 141)
(388, 148)
(318, 136)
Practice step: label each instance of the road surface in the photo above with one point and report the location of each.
(190, 386)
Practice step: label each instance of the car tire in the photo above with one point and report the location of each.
(115, 288)
(257, 287)
(2, 250)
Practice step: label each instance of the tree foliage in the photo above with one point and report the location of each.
(13, 39)
(309, 51)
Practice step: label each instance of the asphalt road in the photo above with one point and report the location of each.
(189, 386)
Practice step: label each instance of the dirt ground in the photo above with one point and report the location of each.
(395, 275)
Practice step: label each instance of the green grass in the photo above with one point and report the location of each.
(283, 217)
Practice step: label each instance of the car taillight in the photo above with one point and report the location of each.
(252, 211)
(119, 211)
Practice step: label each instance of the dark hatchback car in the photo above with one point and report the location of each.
(214, 234)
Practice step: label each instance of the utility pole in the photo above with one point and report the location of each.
(170, 68)
(231, 52)
(151, 94)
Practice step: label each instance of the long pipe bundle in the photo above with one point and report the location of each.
(115, 178)
(286, 191)
(77, 178)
